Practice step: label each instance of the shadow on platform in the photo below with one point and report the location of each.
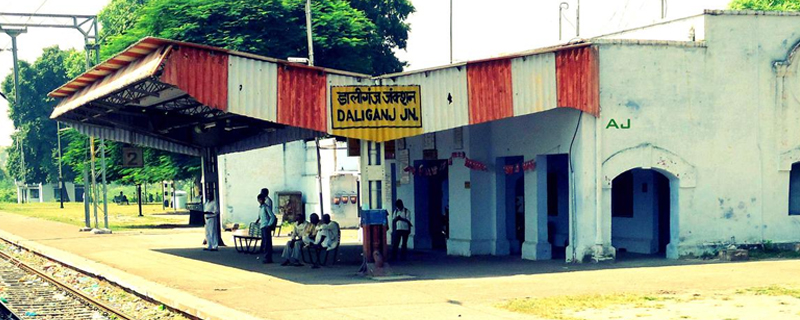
(421, 265)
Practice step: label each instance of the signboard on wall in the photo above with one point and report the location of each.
(376, 113)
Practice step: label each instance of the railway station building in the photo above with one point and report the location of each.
(678, 139)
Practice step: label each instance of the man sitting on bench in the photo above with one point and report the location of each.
(291, 252)
(327, 239)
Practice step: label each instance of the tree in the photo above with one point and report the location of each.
(31, 114)
(389, 17)
(766, 5)
(354, 35)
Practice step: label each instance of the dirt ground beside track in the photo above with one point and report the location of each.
(442, 288)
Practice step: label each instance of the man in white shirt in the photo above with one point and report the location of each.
(211, 210)
(327, 239)
(291, 252)
(267, 221)
(401, 229)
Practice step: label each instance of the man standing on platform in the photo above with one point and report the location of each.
(211, 210)
(267, 221)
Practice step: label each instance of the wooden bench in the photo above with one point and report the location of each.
(250, 244)
(308, 251)
(247, 244)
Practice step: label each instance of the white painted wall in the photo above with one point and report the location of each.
(46, 193)
(709, 117)
(475, 227)
(674, 30)
(712, 116)
(344, 213)
(288, 167)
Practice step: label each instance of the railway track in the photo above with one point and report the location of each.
(31, 294)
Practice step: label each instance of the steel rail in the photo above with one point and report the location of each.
(100, 305)
(6, 313)
(100, 277)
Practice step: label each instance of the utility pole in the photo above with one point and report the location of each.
(451, 31)
(105, 190)
(319, 176)
(13, 33)
(309, 34)
(578, 20)
(561, 7)
(60, 174)
(15, 23)
(94, 181)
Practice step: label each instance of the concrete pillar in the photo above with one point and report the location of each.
(459, 243)
(536, 246)
(501, 243)
(587, 223)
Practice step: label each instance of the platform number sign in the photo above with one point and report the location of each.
(132, 157)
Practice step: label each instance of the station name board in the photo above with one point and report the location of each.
(386, 108)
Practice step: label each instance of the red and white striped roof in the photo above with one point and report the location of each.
(297, 95)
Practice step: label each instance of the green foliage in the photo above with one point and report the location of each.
(31, 113)
(118, 16)
(765, 5)
(158, 165)
(355, 35)
(8, 191)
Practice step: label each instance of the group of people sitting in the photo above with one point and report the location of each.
(316, 235)
(121, 199)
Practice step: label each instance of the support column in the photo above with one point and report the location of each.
(459, 243)
(536, 245)
(210, 180)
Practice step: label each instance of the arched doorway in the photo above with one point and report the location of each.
(641, 213)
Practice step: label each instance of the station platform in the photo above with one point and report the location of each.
(170, 265)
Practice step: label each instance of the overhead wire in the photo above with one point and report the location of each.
(5, 47)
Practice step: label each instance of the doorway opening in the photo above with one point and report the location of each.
(511, 191)
(640, 213)
(557, 200)
(431, 205)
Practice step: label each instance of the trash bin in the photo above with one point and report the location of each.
(374, 226)
(180, 199)
(196, 214)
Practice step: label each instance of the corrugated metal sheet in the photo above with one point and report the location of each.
(534, 82)
(253, 88)
(266, 139)
(339, 80)
(302, 97)
(490, 90)
(135, 52)
(445, 102)
(201, 73)
(130, 74)
(578, 79)
(125, 136)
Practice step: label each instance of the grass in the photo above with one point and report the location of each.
(558, 307)
(565, 307)
(774, 291)
(119, 217)
(773, 254)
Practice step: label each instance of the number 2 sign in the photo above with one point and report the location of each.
(132, 157)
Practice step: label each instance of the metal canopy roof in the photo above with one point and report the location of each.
(175, 96)
(184, 97)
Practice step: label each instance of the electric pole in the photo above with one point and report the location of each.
(13, 33)
(309, 34)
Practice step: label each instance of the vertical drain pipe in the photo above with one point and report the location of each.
(598, 185)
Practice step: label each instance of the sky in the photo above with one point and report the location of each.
(481, 28)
